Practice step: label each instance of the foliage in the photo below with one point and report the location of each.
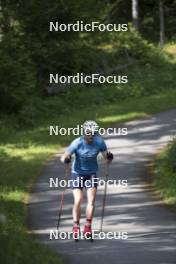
(148, 17)
(29, 52)
(165, 173)
(17, 74)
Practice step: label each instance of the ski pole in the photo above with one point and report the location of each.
(104, 197)
(62, 197)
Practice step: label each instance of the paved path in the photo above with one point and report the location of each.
(151, 227)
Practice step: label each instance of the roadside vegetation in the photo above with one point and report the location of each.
(164, 174)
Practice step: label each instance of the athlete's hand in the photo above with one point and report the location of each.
(67, 160)
(109, 157)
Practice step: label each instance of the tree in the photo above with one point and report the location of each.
(161, 12)
(135, 15)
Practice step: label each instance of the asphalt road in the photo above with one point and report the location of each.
(150, 226)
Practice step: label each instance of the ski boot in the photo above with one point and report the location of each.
(88, 232)
(76, 233)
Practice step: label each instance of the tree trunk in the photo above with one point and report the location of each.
(5, 18)
(162, 34)
(135, 14)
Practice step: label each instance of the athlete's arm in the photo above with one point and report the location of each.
(104, 153)
(107, 155)
(66, 157)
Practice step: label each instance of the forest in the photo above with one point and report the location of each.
(30, 51)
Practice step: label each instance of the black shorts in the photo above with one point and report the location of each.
(82, 181)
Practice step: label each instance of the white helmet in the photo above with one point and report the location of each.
(90, 126)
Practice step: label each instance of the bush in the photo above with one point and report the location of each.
(16, 75)
(165, 174)
(170, 160)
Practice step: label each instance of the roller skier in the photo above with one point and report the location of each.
(84, 170)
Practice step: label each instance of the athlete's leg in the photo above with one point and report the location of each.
(78, 196)
(91, 194)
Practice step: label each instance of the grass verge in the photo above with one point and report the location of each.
(164, 174)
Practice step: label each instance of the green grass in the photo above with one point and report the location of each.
(19, 167)
(26, 145)
(164, 174)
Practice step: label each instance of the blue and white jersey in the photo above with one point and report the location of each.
(85, 162)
